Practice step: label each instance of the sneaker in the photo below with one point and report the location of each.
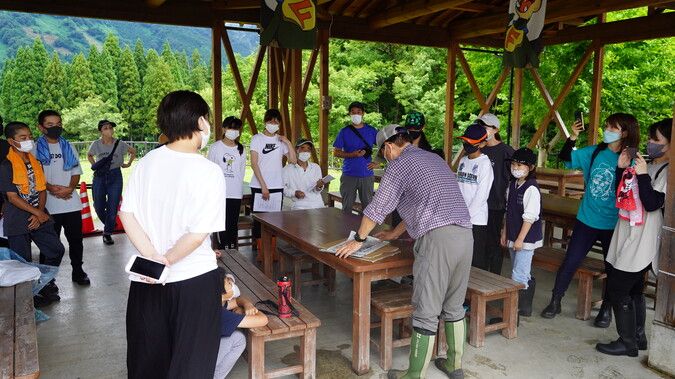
(81, 278)
(40, 301)
(107, 239)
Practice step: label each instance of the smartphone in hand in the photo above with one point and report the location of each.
(579, 116)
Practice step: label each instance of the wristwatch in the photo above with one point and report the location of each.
(357, 238)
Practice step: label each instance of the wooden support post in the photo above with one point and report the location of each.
(245, 111)
(517, 107)
(272, 79)
(236, 75)
(549, 101)
(470, 78)
(324, 101)
(298, 110)
(285, 94)
(450, 101)
(216, 59)
(596, 91)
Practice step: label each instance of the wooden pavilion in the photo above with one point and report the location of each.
(446, 24)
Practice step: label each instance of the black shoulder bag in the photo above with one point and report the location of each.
(102, 167)
(368, 148)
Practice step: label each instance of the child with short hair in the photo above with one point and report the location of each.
(522, 232)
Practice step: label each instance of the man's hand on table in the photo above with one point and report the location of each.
(350, 248)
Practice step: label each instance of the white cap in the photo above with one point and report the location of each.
(388, 132)
(490, 120)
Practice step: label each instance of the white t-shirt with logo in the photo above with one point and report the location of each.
(475, 177)
(270, 154)
(233, 166)
(171, 194)
(54, 174)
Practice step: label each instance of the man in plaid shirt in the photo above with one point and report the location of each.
(424, 191)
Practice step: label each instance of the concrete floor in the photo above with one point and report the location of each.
(85, 337)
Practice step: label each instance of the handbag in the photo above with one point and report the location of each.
(102, 167)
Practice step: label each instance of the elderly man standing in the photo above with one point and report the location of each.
(435, 215)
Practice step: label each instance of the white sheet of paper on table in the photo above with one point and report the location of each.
(273, 204)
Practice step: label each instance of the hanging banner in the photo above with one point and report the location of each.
(288, 23)
(522, 44)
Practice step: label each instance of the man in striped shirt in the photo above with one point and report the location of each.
(424, 191)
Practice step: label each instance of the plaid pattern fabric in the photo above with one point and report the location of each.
(423, 189)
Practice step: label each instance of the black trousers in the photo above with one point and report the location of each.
(479, 258)
(71, 223)
(227, 239)
(173, 330)
(494, 256)
(47, 241)
(256, 224)
(622, 285)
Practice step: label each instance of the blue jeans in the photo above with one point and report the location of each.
(107, 191)
(522, 265)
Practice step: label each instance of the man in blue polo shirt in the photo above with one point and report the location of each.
(354, 144)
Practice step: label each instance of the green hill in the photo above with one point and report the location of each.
(71, 35)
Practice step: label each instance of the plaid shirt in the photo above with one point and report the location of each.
(423, 189)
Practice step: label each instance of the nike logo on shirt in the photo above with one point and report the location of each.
(270, 147)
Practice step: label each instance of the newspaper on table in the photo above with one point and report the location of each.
(370, 245)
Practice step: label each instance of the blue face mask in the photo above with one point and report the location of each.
(610, 137)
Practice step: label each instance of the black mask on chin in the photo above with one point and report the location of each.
(469, 148)
(54, 131)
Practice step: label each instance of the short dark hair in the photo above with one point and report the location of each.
(13, 127)
(178, 114)
(46, 113)
(232, 122)
(271, 114)
(664, 127)
(356, 104)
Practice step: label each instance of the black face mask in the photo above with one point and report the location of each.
(469, 148)
(414, 134)
(54, 131)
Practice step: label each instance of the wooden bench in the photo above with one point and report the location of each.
(391, 305)
(18, 335)
(257, 287)
(334, 197)
(550, 259)
(245, 223)
(297, 258)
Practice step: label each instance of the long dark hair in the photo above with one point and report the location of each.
(629, 124)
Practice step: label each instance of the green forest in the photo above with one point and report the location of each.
(125, 83)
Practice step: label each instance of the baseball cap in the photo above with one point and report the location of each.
(356, 104)
(490, 120)
(415, 120)
(524, 155)
(303, 141)
(474, 134)
(388, 132)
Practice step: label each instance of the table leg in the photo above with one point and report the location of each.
(561, 186)
(256, 357)
(511, 315)
(361, 324)
(308, 353)
(266, 238)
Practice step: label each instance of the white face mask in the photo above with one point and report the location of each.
(304, 156)
(272, 128)
(25, 146)
(205, 134)
(231, 134)
(518, 173)
(356, 119)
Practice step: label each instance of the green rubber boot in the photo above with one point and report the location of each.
(421, 349)
(455, 335)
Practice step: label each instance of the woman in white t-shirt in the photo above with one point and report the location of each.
(267, 152)
(174, 199)
(228, 153)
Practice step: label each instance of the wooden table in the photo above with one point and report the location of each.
(310, 229)
(561, 177)
(558, 211)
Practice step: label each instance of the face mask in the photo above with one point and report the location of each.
(610, 137)
(304, 156)
(356, 119)
(272, 128)
(205, 135)
(489, 136)
(25, 146)
(384, 154)
(231, 134)
(415, 134)
(235, 292)
(518, 173)
(655, 150)
(469, 148)
(54, 132)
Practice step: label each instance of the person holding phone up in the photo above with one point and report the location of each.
(597, 214)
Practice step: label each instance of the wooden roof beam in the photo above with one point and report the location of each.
(555, 12)
(410, 10)
(405, 33)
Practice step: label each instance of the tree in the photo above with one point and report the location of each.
(27, 99)
(170, 59)
(7, 91)
(54, 85)
(112, 46)
(40, 56)
(131, 103)
(158, 82)
(82, 119)
(198, 75)
(139, 58)
(80, 82)
(103, 74)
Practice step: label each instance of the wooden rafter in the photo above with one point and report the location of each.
(236, 75)
(563, 94)
(451, 18)
(272, 82)
(424, 20)
(539, 83)
(310, 71)
(439, 18)
(251, 88)
(470, 78)
(354, 7)
(337, 6)
(495, 91)
(216, 59)
(369, 8)
(412, 9)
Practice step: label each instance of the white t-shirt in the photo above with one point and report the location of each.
(54, 174)
(171, 194)
(297, 179)
(233, 166)
(475, 177)
(270, 154)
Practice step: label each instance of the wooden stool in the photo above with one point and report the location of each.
(18, 340)
(288, 253)
(245, 223)
(391, 305)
